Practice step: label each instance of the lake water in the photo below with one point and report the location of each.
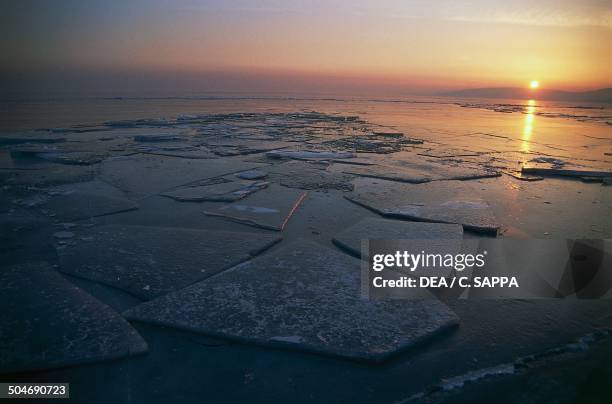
(581, 133)
(457, 136)
(499, 134)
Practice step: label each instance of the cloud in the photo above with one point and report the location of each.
(554, 14)
(539, 21)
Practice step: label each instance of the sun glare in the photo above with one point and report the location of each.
(534, 84)
(528, 125)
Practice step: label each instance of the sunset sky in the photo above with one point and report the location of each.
(300, 45)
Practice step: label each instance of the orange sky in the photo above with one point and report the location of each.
(410, 44)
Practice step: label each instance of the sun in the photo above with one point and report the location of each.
(534, 84)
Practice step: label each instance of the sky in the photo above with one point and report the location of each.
(391, 46)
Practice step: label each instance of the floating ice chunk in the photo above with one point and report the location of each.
(554, 162)
(252, 175)
(233, 146)
(292, 339)
(371, 228)
(473, 376)
(566, 173)
(182, 151)
(465, 205)
(519, 176)
(303, 296)
(54, 174)
(591, 179)
(76, 158)
(450, 153)
(390, 134)
(309, 155)
(146, 175)
(310, 175)
(46, 322)
(157, 138)
(149, 261)
(269, 209)
(380, 144)
(13, 225)
(63, 234)
(56, 154)
(224, 192)
(250, 209)
(433, 238)
(421, 171)
(439, 201)
(161, 147)
(81, 200)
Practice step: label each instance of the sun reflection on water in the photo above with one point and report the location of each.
(528, 125)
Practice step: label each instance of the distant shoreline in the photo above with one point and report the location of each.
(600, 95)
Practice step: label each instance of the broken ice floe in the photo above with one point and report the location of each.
(419, 171)
(53, 174)
(449, 153)
(440, 201)
(547, 166)
(157, 138)
(191, 153)
(303, 296)
(375, 142)
(148, 261)
(57, 155)
(523, 177)
(423, 233)
(223, 192)
(566, 172)
(552, 161)
(431, 238)
(13, 226)
(62, 235)
(46, 322)
(76, 158)
(13, 222)
(252, 175)
(309, 175)
(147, 175)
(80, 200)
(268, 209)
(309, 155)
(439, 391)
(233, 146)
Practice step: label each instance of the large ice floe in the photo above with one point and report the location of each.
(148, 261)
(141, 176)
(268, 209)
(420, 171)
(398, 235)
(215, 191)
(81, 200)
(46, 322)
(304, 296)
(439, 201)
(422, 234)
(222, 191)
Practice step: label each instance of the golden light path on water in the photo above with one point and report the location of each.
(528, 125)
